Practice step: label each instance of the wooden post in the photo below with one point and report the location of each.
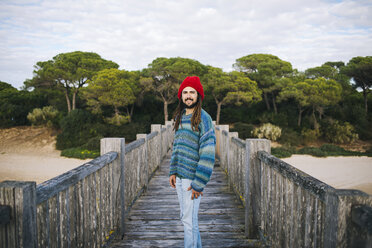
(331, 219)
(117, 145)
(253, 185)
(169, 125)
(224, 150)
(21, 231)
(230, 159)
(144, 136)
(157, 127)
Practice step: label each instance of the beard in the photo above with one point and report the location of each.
(192, 105)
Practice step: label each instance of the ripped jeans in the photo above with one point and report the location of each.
(189, 213)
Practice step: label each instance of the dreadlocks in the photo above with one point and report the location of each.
(195, 118)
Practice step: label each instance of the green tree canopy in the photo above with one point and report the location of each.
(326, 71)
(230, 88)
(360, 70)
(4, 86)
(266, 70)
(69, 72)
(16, 104)
(335, 64)
(314, 93)
(168, 74)
(114, 88)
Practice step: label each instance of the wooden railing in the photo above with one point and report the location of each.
(286, 207)
(86, 206)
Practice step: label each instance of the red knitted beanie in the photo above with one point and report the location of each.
(193, 82)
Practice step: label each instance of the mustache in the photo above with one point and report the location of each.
(189, 99)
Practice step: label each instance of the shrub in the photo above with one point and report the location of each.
(282, 152)
(93, 144)
(280, 119)
(290, 137)
(127, 131)
(310, 135)
(244, 130)
(265, 117)
(268, 131)
(336, 132)
(47, 116)
(330, 148)
(314, 151)
(118, 120)
(369, 151)
(77, 128)
(80, 153)
(333, 150)
(364, 130)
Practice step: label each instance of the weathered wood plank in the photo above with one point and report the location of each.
(10, 228)
(155, 235)
(43, 230)
(4, 214)
(102, 206)
(64, 221)
(53, 222)
(5, 197)
(80, 213)
(179, 228)
(92, 211)
(98, 206)
(207, 243)
(73, 216)
(49, 188)
(3, 234)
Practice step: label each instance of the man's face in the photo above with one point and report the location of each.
(189, 97)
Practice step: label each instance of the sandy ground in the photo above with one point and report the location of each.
(27, 167)
(29, 154)
(339, 172)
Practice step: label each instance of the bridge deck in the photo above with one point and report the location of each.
(154, 218)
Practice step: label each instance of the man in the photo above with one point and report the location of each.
(193, 156)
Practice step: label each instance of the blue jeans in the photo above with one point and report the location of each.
(189, 213)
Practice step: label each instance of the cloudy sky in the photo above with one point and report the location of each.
(133, 33)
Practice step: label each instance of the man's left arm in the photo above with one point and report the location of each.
(207, 144)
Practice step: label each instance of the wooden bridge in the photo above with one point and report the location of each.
(154, 219)
(252, 200)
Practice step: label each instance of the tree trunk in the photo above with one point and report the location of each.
(74, 100)
(117, 113)
(316, 126)
(274, 105)
(266, 101)
(299, 116)
(320, 111)
(365, 94)
(165, 112)
(68, 101)
(131, 110)
(131, 113)
(116, 110)
(218, 112)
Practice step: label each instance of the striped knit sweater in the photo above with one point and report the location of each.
(194, 152)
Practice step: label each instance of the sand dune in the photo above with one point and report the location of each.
(29, 154)
(339, 172)
(28, 167)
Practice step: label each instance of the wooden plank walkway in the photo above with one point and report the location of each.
(154, 218)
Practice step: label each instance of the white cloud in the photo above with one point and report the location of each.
(133, 33)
